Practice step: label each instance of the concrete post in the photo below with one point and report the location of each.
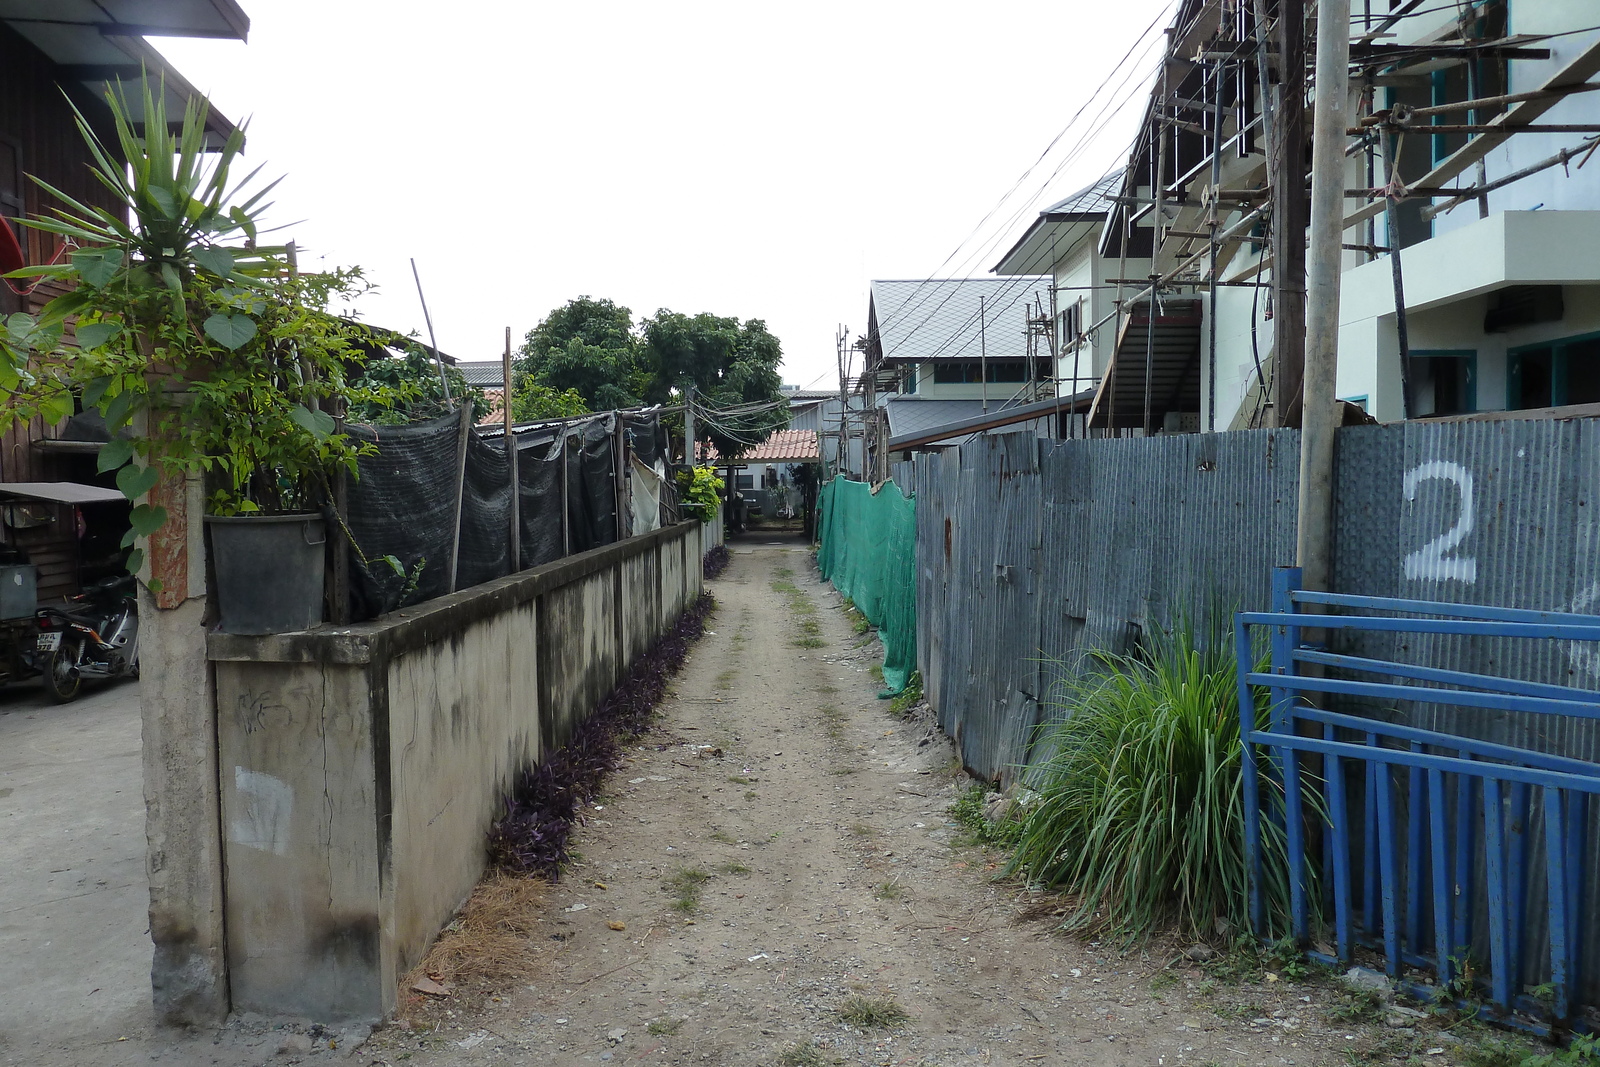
(188, 973)
(1319, 419)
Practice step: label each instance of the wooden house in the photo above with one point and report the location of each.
(50, 54)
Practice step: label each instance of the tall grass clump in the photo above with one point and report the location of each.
(1140, 809)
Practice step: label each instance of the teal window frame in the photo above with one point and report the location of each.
(1471, 355)
(1558, 369)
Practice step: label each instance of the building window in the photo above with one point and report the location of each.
(1442, 383)
(1000, 371)
(1556, 374)
(1069, 325)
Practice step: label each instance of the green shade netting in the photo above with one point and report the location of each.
(869, 553)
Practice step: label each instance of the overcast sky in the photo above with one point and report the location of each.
(748, 159)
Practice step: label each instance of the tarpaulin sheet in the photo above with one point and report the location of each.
(539, 477)
(644, 485)
(403, 502)
(868, 552)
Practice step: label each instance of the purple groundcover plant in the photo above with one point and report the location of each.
(716, 561)
(531, 837)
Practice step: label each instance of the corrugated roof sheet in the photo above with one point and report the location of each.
(908, 416)
(956, 318)
(483, 372)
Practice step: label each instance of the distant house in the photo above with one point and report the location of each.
(51, 53)
(490, 376)
(819, 410)
(947, 350)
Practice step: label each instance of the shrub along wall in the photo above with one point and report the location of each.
(362, 766)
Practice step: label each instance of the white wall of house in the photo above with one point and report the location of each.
(996, 392)
(1555, 189)
(1449, 283)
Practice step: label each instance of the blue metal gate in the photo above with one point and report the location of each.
(1432, 828)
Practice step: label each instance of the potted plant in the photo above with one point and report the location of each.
(221, 356)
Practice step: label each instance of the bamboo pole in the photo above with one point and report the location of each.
(461, 490)
(511, 462)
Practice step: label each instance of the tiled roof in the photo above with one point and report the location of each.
(956, 318)
(784, 446)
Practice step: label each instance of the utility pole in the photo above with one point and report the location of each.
(983, 357)
(841, 348)
(1288, 172)
(688, 423)
(1320, 408)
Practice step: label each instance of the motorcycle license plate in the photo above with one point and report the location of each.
(49, 642)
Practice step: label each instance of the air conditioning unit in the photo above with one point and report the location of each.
(1181, 422)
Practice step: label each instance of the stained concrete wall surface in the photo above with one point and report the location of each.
(362, 766)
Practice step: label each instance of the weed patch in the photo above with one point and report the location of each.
(872, 1013)
(890, 890)
(685, 885)
(665, 1027)
(968, 812)
(909, 697)
(734, 868)
(801, 1056)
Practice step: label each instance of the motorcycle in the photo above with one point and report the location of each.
(96, 636)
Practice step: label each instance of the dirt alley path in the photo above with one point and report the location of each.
(834, 869)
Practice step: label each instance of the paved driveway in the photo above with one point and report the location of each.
(73, 894)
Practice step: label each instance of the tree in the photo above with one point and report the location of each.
(591, 347)
(587, 346)
(734, 369)
(535, 403)
(406, 388)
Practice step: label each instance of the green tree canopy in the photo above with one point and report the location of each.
(593, 348)
(587, 346)
(733, 365)
(406, 388)
(536, 403)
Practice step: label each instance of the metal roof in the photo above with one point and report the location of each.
(909, 415)
(954, 318)
(908, 433)
(1062, 228)
(61, 492)
(98, 42)
(483, 372)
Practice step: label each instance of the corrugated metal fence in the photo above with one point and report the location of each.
(1030, 553)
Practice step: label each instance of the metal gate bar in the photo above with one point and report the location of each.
(1417, 902)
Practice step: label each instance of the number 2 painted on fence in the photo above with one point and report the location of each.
(1436, 559)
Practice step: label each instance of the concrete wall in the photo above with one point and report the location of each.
(362, 766)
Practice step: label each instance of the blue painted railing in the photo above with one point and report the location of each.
(1455, 795)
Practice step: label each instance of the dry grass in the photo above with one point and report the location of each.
(489, 946)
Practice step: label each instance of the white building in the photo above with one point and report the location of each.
(1501, 305)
